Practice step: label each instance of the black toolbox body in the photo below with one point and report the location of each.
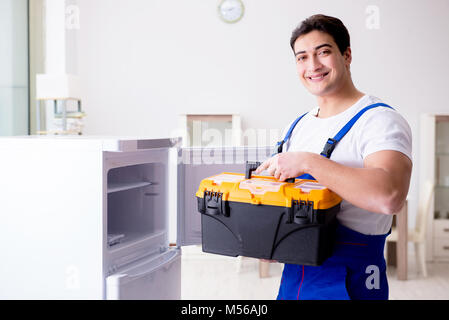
(268, 232)
(260, 217)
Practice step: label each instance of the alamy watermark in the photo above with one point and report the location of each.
(373, 280)
(72, 277)
(228, 146)
(72, 17)
(372, 21)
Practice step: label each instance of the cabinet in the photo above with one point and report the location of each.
(201, 130)
(434, 166)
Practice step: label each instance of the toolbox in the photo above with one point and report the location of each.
(260, 217)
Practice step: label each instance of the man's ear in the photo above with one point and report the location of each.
(347, 56)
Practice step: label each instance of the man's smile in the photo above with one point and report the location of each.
(317, 77)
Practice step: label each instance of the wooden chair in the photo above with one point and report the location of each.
(418, 234)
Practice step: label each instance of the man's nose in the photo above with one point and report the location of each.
(314, 64)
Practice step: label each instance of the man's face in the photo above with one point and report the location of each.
(321, 67)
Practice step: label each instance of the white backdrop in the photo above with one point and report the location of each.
(144, 62)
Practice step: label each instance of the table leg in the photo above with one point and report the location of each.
(391, 253)
(264, 269)
(402, 243)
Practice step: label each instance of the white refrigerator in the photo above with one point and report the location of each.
(102, 218)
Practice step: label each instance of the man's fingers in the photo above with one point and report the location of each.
(263, 166)
(267, 164)
(277, 174)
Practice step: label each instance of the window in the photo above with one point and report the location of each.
(14, 80)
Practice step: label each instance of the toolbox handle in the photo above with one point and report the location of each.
(253, 165)
(250, 167)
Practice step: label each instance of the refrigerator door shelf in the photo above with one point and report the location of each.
(155, 278)
(129, 251)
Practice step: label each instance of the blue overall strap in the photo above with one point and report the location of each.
(332, 142)
(280, 144)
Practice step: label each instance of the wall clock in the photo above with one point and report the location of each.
(231, 11)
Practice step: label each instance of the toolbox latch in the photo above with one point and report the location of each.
(213, 204)
(302, 211)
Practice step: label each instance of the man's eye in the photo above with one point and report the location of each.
(324, 52)
(301, 58)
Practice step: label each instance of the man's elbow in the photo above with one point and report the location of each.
(393, 203)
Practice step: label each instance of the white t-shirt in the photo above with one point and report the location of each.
(377, 129)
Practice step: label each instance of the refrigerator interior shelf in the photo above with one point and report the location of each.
(114, 239)
(116, 187)
(135, 239)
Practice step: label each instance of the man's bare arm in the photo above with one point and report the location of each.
(380, 186)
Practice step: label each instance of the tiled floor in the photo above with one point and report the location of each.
(434, 287)
(207, 276)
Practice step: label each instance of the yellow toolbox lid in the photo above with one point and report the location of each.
(263, 190)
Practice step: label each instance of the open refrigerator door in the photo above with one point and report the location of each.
(139, 263)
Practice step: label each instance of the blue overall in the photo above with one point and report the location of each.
(356, 270)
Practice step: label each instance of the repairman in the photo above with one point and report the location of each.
(357, 146)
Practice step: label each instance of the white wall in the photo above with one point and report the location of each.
(144, 62)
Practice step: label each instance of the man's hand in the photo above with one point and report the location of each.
(287, 165)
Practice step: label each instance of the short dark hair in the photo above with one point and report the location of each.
(330, 25)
